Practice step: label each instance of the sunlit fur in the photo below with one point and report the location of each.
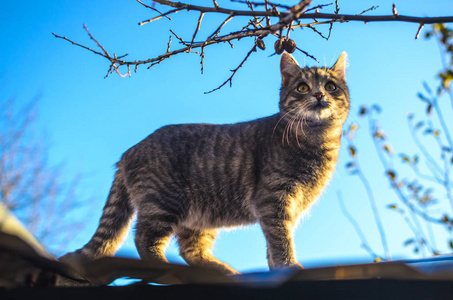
(190, 180)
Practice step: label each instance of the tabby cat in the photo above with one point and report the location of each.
(191, 180)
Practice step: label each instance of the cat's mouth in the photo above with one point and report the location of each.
(317, 115)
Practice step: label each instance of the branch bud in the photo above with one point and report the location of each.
(260, 43)
(394, 12)
(289, 45)
(279, 46)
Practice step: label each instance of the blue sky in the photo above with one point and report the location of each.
(91, 121)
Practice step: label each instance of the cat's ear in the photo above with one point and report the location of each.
(340, 66)
(288, 67)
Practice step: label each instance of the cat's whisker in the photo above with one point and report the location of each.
(302, 125)
(291, 127)
(297, 133)
(297, 127)
(288, 127)
(304, 107)
(301, 117)
(283, 135)
(288, 132)
(282, 117)
(304, 119)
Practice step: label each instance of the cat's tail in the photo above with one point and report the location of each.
(113, 226)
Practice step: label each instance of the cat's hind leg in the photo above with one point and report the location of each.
(153, 231)
(195, 246)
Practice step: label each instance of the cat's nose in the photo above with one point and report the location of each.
(318, 96)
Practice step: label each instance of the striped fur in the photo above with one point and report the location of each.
(190, 180)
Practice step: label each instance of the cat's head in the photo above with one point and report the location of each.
(315, 97)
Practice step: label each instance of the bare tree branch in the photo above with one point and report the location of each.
(365, 244)
(377, 218)
(29, 186)
(297, 11)
(276, 23)
(266, 3)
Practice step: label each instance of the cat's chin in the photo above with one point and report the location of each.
(317, 117)
(316, 123)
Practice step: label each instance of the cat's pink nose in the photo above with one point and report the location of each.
(318, 95)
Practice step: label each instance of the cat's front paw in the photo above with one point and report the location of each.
(295, 266)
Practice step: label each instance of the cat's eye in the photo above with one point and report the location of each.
(303, 88)
(330, 86)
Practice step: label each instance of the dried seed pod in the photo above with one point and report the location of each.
(289, 45)
(260, 43)
(279, 46)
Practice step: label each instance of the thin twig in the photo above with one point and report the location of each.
(309, 55)
(319, 33)
(266, 3)
(152, 8)
(369, 9)
(432, 238)
(316, 8)
(106, 54)
(266, 8)
(180, 39)
(443, 123)
(158, 17)
(202, 59)
(435, 169)
(445, 64)
(97, 43)
(197, 28)
(418, 231)
(419, 30)
(356, 226)
(412, 209)
(411, 226)
(217, 31)
(377, 217)
(168, 45)
(230, 79)
(366, 184)
(289, 30)
(337, 11)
